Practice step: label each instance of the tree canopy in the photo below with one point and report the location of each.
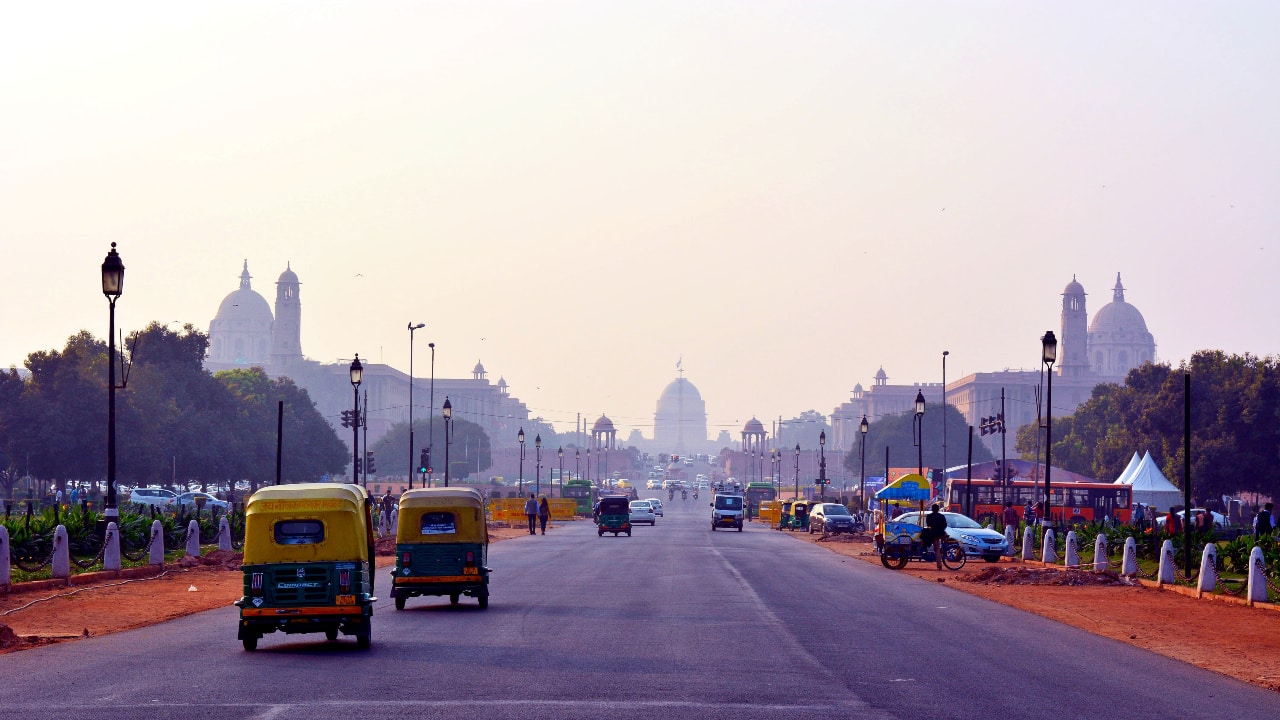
(897, 432)
(1235, 424)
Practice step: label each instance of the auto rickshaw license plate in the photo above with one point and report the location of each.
(346, 600)
(470, 571)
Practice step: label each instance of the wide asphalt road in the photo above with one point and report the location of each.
(674, 622)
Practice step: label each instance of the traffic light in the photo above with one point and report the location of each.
(357, 466)
(346, 418)
(424, 461)
(368, 462)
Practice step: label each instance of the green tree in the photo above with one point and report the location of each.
(898, 433)
(469, 453)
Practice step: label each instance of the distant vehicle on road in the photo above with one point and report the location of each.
(153, 496)
(642, 512)
(726, 511)
(191, 500)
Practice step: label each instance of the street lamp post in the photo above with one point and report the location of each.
(520, 439)
(446, 412)
(862, 455)
(822, 466)
(412, 327)
(918, 433)
(945, 353)
(537, 473)
(112, 287)
(1049, 354)
(431, 411)
(560, 457)
(797, 495)
(357, 375)
(577, 470)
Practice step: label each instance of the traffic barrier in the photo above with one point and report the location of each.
(563, 508)
(770, 512)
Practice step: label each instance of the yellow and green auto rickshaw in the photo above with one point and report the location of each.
(615, 515)
(442, 546)
(308, 562)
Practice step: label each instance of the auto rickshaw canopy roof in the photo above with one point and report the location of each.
(340, 507)
(441, 515)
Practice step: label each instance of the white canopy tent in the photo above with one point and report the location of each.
(1134, 462)
(1150, 486)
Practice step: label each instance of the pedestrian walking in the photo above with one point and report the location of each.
(544, 514)
(1010, 516)
(1173, 523)
(1263, 522)
(531, 513)
(1029, 514)
(1139, 516)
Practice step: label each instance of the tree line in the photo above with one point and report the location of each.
(1235, 425)
(174, 419)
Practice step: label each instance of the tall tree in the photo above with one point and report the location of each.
(898, 432)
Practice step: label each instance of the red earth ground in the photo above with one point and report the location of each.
(1235, 640)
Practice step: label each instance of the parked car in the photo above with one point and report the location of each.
(832, 518)
(1218, 520)
(976, 540)
(642, 512)
(188, 499)
(657, 506)
(153, 496)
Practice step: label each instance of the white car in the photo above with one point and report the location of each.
(642, 512)
(190, 500)
(153, 496)
(657, 506)
(976, 540)
(1218, 520)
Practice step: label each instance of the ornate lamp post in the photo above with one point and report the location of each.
(797, 495)
(357, 375)
(112, 287)
(1049, 355)
(862, 455)
(520, 439)
(412, 327)
(822, 465)
(560, 456)
(446, 412)
(537, 473)
(431, 411)
(945, 353)
(577, 471)
(917, 428)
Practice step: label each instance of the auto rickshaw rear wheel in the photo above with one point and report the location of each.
(331, 634)
(400, 602)
(250, 642)
(483, 600)
(453, 598)
(364, 635)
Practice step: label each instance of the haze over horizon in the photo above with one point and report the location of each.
(787, 196)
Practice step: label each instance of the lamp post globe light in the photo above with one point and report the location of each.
(862, 455)
(537, 472)
(797, 495)
(1049, 355)
(520, 439)
(357, 376)
(112, 288)
(560, 456)
(446, 412)
(918, 435)
(412, 327)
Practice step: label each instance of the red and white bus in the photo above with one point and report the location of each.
(1073, 502)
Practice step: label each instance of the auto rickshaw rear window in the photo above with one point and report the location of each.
(299, 532)
(438, 523)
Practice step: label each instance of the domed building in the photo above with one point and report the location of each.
(1118, 337)
(240, 335)
(680, 423)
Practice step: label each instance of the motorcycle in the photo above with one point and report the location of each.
(695, 494)
(684, 494)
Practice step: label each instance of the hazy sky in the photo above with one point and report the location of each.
(786, 194)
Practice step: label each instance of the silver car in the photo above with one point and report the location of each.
(153, 496)
(642, 512)
(976, 540)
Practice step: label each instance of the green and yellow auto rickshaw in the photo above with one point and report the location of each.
(308, 562)
(798, 518)
(442, 546)
(615, 515)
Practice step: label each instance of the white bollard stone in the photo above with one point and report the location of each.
(6, 573)
(1166, 577)
(1028, 544)
(1009, 539)
(61, 553)
(1048, 553)
(395, 521)
(1100, 553)
(156, 556)
(1208, 581)
(193, 539)
(224, 534)
(111, 555)
(1129, 566)
(1073, 550)
(382, 525)
(1257, 578)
